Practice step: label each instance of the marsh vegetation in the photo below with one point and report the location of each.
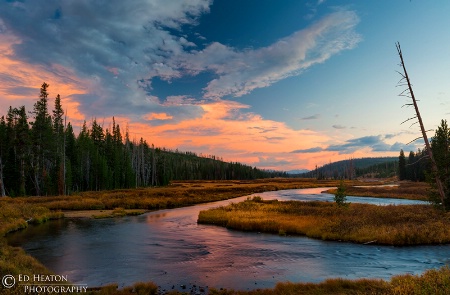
(359, 223)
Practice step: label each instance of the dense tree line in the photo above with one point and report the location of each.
(440, 146)
(43, 156)
(414, 167)
(417, 166)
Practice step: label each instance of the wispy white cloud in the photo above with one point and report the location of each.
(240, 72)
(375, 143)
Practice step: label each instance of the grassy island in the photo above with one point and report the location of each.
(360, 223)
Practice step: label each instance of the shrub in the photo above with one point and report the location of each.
(340, 197)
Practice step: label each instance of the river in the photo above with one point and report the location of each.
(169, 248)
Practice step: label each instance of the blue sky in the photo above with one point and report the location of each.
(275, 84)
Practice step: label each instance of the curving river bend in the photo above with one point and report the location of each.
(169, 248)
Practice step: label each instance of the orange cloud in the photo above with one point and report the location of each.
(20, 81)
(224, 130)
(157, 116)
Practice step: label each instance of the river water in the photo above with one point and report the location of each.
(169, 248)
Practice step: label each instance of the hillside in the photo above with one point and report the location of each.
(352, 168)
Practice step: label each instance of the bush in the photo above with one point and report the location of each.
(340, 197)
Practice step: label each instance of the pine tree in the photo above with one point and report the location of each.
(58, 131)
(3, 149)
(22, 145)
(340, 197)
(10, 162)
(71, 156)
(402, 166)
(411, 167)
(440, 146)
(42, 155)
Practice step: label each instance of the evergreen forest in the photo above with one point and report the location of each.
(41, 155)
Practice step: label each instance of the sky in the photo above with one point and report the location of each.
(274, 84)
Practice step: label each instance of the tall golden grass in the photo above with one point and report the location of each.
(404, 190)
(360, 223)
(18, 215)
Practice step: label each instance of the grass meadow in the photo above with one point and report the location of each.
(398, 225)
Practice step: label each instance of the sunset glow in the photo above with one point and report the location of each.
(280, 86)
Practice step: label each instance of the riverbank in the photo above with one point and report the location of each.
(97, 214)
(398, 225)
(17, 216)
(431, 282)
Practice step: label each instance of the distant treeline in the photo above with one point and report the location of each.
(44, 157)
(376, 167)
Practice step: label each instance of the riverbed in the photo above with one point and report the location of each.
(169, 248)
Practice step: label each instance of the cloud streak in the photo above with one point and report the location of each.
(313, 117)
(375, 143)
(240, 72)
(337, 126)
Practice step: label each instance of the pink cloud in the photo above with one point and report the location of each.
(157, 116)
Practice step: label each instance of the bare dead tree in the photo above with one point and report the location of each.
(408, 92)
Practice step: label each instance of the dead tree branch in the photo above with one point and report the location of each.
(439, 185)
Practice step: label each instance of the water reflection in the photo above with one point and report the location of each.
(171, 249)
